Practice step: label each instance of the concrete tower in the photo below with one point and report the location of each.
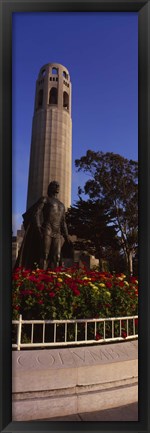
(51, 143)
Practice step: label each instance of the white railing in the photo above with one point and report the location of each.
(120, 328)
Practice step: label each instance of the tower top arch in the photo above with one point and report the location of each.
(53, 88)
(54, 68)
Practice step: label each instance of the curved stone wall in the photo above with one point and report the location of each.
(56, 382)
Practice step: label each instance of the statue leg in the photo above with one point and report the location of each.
(46, 248)
(56, 251)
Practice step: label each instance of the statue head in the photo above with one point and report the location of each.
(53, 188)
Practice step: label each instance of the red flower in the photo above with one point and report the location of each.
(73, 286)
(103, 274)
(121, 284)
(18, 269)
(17, 307)
(108, 284)
(134, 280)
(98, 336)
(45, 277)
(40, 301)
(76, 292)
(40, 287)
(32, 278)
(15, 277)
(58, 285)
(124, 334)
(25, 273)
(79, 281)
(26, 292)
(51, 294)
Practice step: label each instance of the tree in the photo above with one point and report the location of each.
(114, 181)
(90, 223)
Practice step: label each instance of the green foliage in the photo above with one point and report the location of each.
(113, 180)
(90, 222)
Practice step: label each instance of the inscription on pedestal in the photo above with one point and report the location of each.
(74, 357)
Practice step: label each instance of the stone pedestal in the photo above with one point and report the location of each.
(56, 382)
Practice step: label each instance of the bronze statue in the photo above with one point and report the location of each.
(44, 225)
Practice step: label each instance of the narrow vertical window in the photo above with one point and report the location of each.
(53, 96)
(66, 100)
(65, 75)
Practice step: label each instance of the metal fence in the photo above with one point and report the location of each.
(53, 333)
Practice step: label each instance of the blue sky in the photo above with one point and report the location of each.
(100, 51)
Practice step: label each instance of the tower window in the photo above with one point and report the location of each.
(53, 96)
(65, 83)
(65, 75)
(54, 71)
(43, 72)
(66, 100)
(40, 98)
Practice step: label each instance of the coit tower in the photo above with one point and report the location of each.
(51, 142)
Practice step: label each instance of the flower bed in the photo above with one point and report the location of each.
(73, 294)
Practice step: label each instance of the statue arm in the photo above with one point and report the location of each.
(37, 218)
(64, 228)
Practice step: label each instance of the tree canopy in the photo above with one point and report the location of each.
(113, 182)
(89, 221)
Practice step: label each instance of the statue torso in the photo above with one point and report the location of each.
(53, 212)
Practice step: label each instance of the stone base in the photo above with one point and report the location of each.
(59, 382)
